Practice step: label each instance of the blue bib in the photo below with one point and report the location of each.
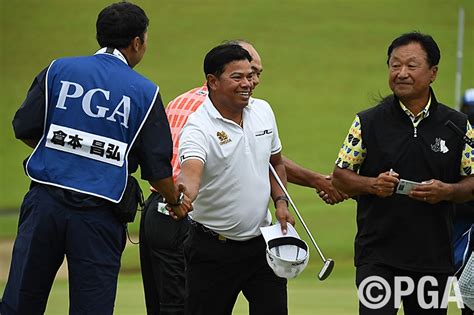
(95, 108)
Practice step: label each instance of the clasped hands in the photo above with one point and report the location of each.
(184, 205)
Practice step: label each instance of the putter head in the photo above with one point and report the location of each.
(327, 269)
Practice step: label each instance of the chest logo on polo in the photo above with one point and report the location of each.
(264, 132)
(439, 146)
(223, 138)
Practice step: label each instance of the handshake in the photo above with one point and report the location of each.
(182, 206)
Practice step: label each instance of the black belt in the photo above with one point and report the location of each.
(207, 231)
(204, 230)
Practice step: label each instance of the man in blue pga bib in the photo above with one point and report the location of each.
(91, 121)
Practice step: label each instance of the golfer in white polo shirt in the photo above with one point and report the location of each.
(225, 149)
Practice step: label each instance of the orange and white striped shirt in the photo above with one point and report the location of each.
(178, 111)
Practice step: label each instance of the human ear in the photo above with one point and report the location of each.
(212, 81)
(434, 72)
(137, 42)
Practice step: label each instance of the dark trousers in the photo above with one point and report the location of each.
(162, 259)
(91, 239)
(218, 270)
(410, 302)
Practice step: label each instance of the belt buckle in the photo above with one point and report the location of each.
(161, 208)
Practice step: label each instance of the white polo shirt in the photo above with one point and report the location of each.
(235, 185)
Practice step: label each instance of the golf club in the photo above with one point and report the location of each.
(328, 263)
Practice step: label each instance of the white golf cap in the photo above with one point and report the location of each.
(287, 255)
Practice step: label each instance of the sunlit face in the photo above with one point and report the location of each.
(256, 63)
(233, 87)
(410, 74)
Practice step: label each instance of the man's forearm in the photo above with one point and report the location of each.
(279, 167)
(166, 188)
(190, 176)
(463, 190)
(192, 188)
(299, 175)
(352, 183)
(275, 187)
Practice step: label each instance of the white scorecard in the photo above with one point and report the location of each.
(405, 186)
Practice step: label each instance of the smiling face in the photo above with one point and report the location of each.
(410, 74)
(232, 89)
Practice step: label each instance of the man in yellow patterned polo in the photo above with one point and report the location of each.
(406, 169)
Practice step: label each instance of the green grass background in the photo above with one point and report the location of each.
(324, 60)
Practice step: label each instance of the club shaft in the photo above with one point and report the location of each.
(277, 178)
(458, 131)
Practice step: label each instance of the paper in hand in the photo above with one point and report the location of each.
(405, 186)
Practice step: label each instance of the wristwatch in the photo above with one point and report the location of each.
(179, 201)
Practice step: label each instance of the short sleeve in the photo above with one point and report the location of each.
(353, 152)
(193, 143)
(467, 159)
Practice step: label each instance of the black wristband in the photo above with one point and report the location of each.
(282, 197)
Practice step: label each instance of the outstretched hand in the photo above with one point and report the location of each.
(328, 193)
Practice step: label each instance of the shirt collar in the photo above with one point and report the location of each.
(115, 53)
(423, 114)
(214, 113)
(211, 109)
